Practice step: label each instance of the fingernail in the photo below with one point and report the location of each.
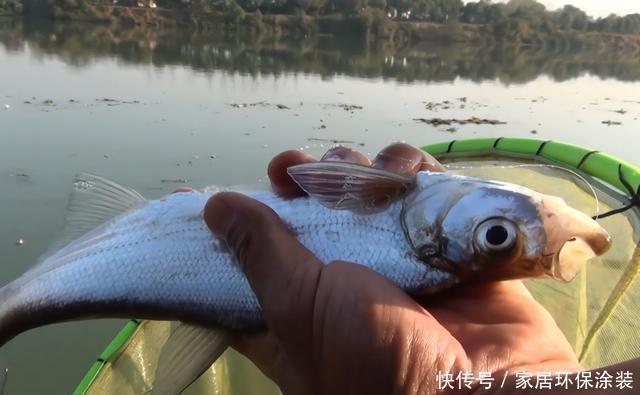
(334, 153)
(404, 158)
(345, 154)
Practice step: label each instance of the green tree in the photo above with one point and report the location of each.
(530, 11)
(483, 12)
(570, 17)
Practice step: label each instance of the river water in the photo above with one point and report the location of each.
(155, 110)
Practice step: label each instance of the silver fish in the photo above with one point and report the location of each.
(158, 260)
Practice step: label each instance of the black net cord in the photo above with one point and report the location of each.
(634, 200)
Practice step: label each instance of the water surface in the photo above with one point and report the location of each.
(152, 110)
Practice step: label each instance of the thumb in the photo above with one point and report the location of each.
(282, 272)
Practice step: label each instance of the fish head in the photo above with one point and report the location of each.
(488, 230)
(470, 227)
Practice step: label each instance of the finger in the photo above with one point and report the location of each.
(403, 158)
(281, 271)
(281, 182)
(346, 154)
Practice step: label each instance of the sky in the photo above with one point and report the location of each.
(597, 7)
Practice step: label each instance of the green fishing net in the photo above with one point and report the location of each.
(596, 311)
(132, 371)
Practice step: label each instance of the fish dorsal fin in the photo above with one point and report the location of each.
(189, 352)
(93, 201)
(350, 186)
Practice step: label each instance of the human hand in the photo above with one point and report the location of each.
(342, 328)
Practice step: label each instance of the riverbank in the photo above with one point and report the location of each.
(371, 25)
(255, 54)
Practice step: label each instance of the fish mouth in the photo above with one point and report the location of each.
(572, 239)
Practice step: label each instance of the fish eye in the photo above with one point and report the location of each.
(495, 235)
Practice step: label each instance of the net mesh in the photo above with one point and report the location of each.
(596, 311)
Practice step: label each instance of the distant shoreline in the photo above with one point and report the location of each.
(371, 25)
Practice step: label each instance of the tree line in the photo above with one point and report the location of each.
(515, 15)
(513, 18)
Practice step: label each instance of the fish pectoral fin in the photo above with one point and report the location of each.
(187, 354)
(350, 186)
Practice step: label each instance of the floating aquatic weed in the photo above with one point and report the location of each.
(472, 120)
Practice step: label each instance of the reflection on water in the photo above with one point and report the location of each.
(151, 109)
(79, 44)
